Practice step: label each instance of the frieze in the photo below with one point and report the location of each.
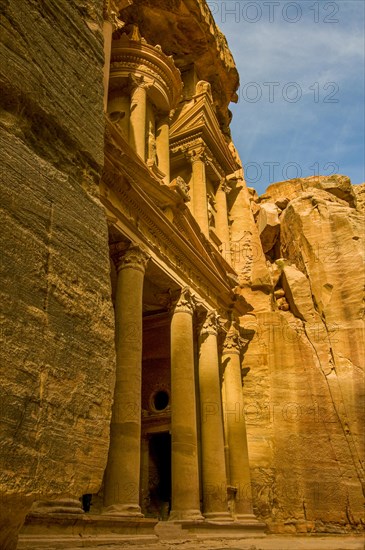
(159, 241)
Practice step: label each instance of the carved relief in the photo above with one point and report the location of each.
(180, 186)
(204, 87)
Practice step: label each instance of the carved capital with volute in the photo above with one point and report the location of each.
(133, 257)
(139, 81)
(223, 186)
(197, 154)
(211, 324)
(186, 302)
(232, 342)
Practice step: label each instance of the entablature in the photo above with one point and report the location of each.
(135, 199)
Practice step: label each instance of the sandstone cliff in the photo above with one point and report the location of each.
(305, 389)
(57, 370)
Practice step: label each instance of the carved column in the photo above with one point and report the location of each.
(184, 459)
(138, 113)
(199, 190)
(221, 220)
(163, 148)
(214, 476)
(107, 33)
(236, 427)
(122, 476)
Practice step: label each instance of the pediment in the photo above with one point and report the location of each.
(198, 118)
(193, 116)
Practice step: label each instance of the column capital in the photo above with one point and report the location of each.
(211, 324)
(199, 153)
(186, 302)
(139, 81)
(133, 257)
(223, 186)
(232, 342)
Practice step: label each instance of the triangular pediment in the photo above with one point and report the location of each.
(198, 118)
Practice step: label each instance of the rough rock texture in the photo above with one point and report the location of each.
(305, 390)
(337, 185)
(268, 225)
(359, 191)
(57, 371)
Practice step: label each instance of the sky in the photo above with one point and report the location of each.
(301, 97)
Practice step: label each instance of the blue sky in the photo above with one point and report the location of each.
(301, 98)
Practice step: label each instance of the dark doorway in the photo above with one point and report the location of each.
(160, 474)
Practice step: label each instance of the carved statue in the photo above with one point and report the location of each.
(211, 211)
(151, 143)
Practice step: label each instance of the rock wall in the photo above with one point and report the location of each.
(57, 371)
(304, 395)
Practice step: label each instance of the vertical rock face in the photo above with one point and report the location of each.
(305, 392)
(57, 370)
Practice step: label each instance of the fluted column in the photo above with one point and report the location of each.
(221, 220)
(199, 190)
(215, 506)
(122, 477)
(184, 459)
(138, 114)
(236, 435)
(163, 148)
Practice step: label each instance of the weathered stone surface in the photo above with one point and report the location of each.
(283, 191)
(247, 255)
(359, 191)
(268, 225)
(297, 290)
(57, 371)
(305, 389)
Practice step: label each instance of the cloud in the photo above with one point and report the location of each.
(325, 60)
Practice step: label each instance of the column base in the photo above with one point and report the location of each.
(247, 519)
(185, 515)
(218, 517)
(123, 510)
